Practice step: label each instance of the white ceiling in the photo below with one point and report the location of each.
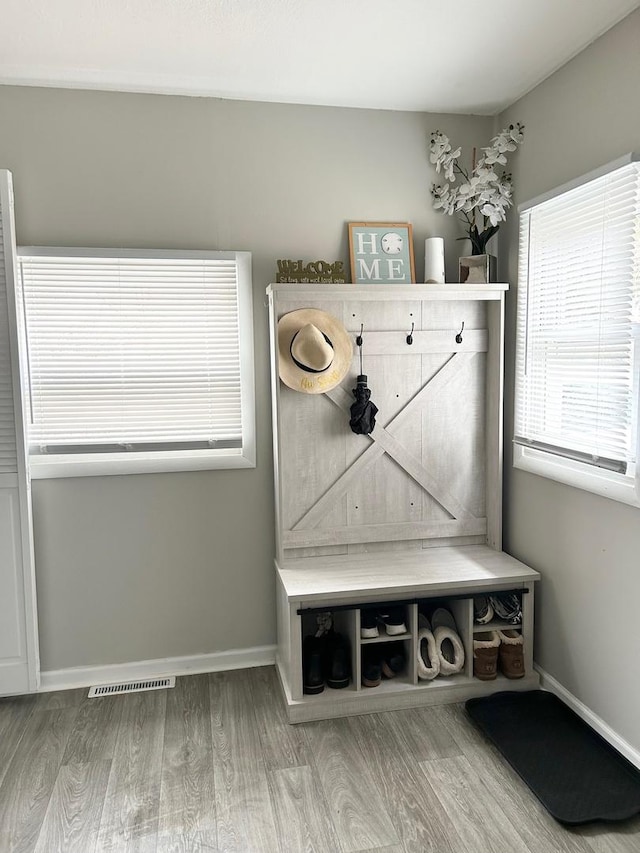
(463, 56)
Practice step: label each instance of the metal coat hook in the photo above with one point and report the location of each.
(459, 335)
(410, 335)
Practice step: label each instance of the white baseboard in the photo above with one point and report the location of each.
(548, 682)
(85, 676)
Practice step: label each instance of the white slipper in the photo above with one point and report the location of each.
(448, 643)
(428, 659)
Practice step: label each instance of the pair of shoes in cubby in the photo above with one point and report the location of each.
(325, 660)
(505, 606)
(390, 619)
(379, 663)
(498, 649)
(440, 649)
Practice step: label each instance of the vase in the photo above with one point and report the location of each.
(478, 269)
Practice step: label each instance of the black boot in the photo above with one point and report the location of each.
(337, 661)
(312, 660)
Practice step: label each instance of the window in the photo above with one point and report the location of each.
(578, 334)
(136, 360)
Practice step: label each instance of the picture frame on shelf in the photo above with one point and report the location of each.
(381, 252)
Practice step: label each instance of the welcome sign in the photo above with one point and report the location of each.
(381, 252)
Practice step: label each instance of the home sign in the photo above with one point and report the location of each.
(381, 252)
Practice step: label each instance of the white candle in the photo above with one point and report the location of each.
(434, 260)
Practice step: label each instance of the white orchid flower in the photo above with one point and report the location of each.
(485, 174)
(492, 156)
(516, 133)
(493, 213)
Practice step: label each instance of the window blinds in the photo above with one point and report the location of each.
(131, 353)
(578, 313)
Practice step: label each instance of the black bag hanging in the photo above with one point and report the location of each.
(363, 411)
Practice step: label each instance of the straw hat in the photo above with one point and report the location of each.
(314, 351)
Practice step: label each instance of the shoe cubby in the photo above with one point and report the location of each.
(498, 622)
(456, 645)
(335, 632)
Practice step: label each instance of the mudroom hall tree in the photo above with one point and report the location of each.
(392, 588)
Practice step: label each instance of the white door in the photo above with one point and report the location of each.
(19, 662)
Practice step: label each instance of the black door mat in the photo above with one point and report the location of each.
(577, 776)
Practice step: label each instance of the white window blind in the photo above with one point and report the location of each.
(578, 321)
(133, 352)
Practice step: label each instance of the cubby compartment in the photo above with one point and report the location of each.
(455, 648)
(330, 628)
(523, 601)
(392, 659)
(385, 622)
(503, 609)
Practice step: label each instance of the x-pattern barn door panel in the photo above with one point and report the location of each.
(421, 475)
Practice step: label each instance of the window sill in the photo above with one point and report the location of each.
(101, 464)
(608, 484)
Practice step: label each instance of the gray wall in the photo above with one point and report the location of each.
(149, 566)
(587, 547)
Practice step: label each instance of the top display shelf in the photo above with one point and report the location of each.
(393, 291)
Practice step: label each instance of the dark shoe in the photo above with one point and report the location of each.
(482, 610)
(393, 619)
(337, 661)
(507, 607)
(369, 624)
(371, 669)
(393, 661)
(312, 659)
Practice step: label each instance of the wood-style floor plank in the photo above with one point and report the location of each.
(411, 803)
(130, 815)
(424, 734)
(55, 700)
(612, 837)
(355, 804)
(95, 730)
(30, 777)
(14, 716)
(195, 842)
(395, 848)
(72, 821)
(282, 745)
(303, 822)
(244, 817)
(464, 799)
(187, 798)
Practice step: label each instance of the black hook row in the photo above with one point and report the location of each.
(409, 337)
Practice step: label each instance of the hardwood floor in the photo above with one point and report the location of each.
(212, 765)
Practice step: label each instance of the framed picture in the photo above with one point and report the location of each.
(381, 252)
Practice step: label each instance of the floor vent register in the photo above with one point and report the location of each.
(132, 687)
